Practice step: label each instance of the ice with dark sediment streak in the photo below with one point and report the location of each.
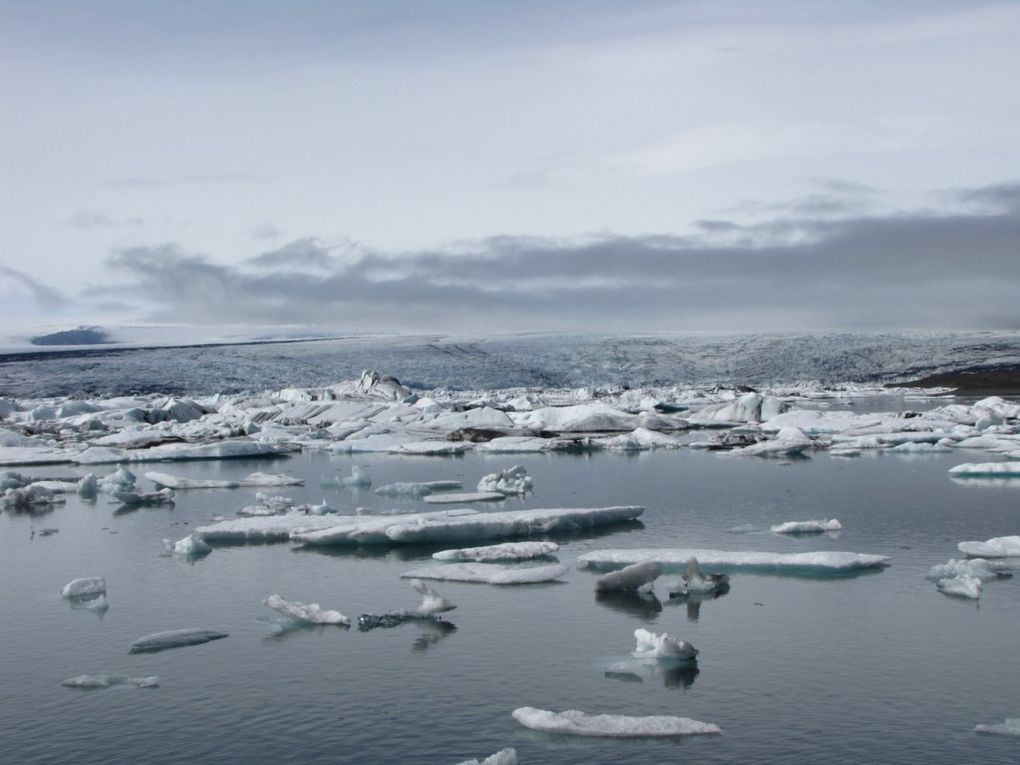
(630, 578)
(161, 641)
(675, 559)
(996, 547)
(1010, 727)
(310, 613)
(463, 526)
(577, 723)
(506, 756)
(432, 604)
(84, 587)
(651, 645)
(807, 527)
(488, 573)
(96, 682)
(507, 551)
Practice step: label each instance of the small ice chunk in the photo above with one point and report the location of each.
(631, 578)
(961, 586)
(488, 573)
(651, 645)
(312, 613)
(465, 498)
(431, 601)
(1011, 727)
(976, 567)
(500, 552)
(358, 479)
(577, 723)
(807, 527)
(161, 641)
(84, 587)
(996, 547)
(693, 582)
(88, 487)
(189, 547)
(513, 480)
(95, 682)
(502, 757)
(121, 479)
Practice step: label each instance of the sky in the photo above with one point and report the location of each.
(520, 166)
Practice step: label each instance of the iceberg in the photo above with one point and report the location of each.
(358, 478)
(577, 723)
(986, 469)
(655, 646)
(488, 573)
(633, 577)
(807, 527)
(161, 641)
(804, 564)
(189, 547)
(465, 498)
(500, 552)
(502, 757)
(513, 480)
(95, 682)
(975, 567)
(960, 586)
(84, 587)
(310, 613)
(996, 547)
(1011, 727)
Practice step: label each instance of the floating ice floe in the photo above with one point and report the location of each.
(960, 586)
(501, 552)
(807, 527)
(1011, 727)
(633, 577)
(975, 567)
(641, 439)
(694, 583)
(189, 547)
(788, 442)
(996, 547)
(488, 573)
(220, 450)
(502, 757)
(986, 470)
(416, 489)
(96, 682)
(161, 641)
(31, 496)
(513, 480)
(431, 601)
(274, 528)
(252, 479)
(655, 646)
(465, 525)
(577, 723)
(358, 479)
(84, 587)
(310, 613)
(805, 564)
(151, 499)
(464, 498)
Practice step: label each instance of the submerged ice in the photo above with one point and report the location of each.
(161, 641)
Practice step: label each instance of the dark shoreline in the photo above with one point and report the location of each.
(997, 381)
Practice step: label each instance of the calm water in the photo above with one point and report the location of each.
(874, 668)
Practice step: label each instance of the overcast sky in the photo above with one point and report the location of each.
(498, 166)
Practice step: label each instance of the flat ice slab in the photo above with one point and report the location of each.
(465, 498)
(807, 527)
(252, 479)
(221, 450)
(1011, 727)
(466, 525)
(960, 586)
(310, 613)
(577, 723)
(272, 528)
(161, 641)
(810, 563)
(488, 573)
(986, 469)
(500, 552)
(996, 547)
(96, 682)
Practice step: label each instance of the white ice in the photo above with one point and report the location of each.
(996, 547)
(275, 528)
(693, 582)
(464, 498)
(500, 552)
(1011, 727)
(807, 527)
(95, 682)
(502, 757)
(975, 567)
(513, 480)
(431, 601)
(961, 586)
(358, 479)
(488, 573)
(792, 563)
(788, 441)
(629, 579)
(189, 547)
(986, 469)
(312, 613)
(416, 488)
(577, 723)
(159, 641)
(84, 587)
(651, 645)
(252, 479)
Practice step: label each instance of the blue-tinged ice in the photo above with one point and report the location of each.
(191, 546)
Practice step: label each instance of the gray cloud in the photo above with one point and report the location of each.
(909, 270)
(45, 296)
(221, 179)
(86, 219)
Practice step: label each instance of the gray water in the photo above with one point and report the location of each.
(871, 668)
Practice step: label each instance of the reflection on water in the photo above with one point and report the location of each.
(644, 605)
